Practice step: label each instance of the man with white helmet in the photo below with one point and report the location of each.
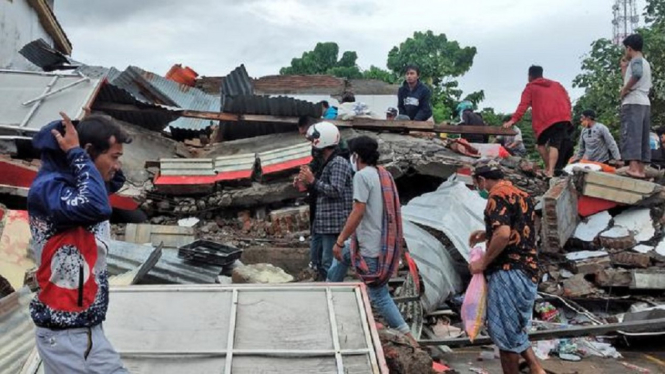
(334, 190)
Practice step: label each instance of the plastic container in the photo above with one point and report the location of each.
(209, 252)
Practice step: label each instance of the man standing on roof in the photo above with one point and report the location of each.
(550, 118)
(596, 142)
(636, 109)
(316, 166)
(510, 264)
(69, 209)
(413, 98)
(333, 187)
(469, 118)
(375, 229)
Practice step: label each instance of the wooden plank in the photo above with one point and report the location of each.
(602, 192)
(621, 183)
(632, 326)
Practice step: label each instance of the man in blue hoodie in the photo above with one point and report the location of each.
(69, 208)
(413, 98)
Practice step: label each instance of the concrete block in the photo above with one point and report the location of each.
(560, 216)
(648, 279)
(290, 219)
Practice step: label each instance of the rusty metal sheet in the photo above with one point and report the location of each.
(15, 256)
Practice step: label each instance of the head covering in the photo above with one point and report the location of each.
(392, 111)
(485, 166)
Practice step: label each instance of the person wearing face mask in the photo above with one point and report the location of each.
(333, 187)
(596, 143)
(510, 265)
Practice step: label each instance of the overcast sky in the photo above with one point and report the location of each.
(215, 36)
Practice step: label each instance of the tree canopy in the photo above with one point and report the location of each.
(323, 59)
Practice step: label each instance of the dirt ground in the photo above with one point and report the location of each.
(462, 360)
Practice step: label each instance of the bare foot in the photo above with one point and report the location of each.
(635, 175)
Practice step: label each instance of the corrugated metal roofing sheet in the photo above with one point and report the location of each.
(285, 158)
(154, 88)
(17, 337)
(40, 53)
(186, 166)
(206, 170)
(237, 83)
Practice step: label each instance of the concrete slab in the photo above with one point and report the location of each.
(588, 230)
(559, 215)
(638, 221)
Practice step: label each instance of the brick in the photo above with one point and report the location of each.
(559, 215)
(577, 286)
(290, 219)
(591, 266)
(613, 278)
(631, 259)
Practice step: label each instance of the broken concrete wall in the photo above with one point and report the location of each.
(559, 215)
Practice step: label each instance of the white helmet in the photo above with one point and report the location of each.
(323, 135)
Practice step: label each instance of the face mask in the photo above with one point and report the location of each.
(484, 194)
(354, 165)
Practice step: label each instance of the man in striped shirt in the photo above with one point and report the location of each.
(596, 142)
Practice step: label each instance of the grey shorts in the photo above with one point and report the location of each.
(635, 131)
(77, 351)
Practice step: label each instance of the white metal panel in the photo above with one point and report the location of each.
(244, 329)
(244, 161)
(17, 337)
(278, 156)
(18, 88)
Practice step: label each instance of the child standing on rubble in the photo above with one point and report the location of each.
(332, 187)
(69, 208)
(375, 229)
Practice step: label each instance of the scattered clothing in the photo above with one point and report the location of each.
(77, 351)
(549, 102)
(469, 118)
(415, 103)
(597, 144)
(509, 206)
(510, 299)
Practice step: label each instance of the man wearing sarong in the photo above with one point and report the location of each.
(510, 265)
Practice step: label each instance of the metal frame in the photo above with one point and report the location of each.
(373, 350)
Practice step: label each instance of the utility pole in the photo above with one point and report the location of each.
(625, 20)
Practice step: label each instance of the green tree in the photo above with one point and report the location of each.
(323, 59)
(601, 75)
(380, 74)
(440, 61)
(601, 80)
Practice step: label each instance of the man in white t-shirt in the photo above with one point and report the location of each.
(636, 109)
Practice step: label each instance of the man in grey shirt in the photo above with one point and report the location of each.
(596, 142)
(367, 222)
(636, 109)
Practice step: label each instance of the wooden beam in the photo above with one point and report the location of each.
(632, 326)
(358, 123)
(52, 26)
(106, 106)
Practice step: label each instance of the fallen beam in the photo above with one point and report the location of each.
(358, 123)
(632, 326)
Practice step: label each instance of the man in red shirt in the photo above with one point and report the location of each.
(550, 117)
